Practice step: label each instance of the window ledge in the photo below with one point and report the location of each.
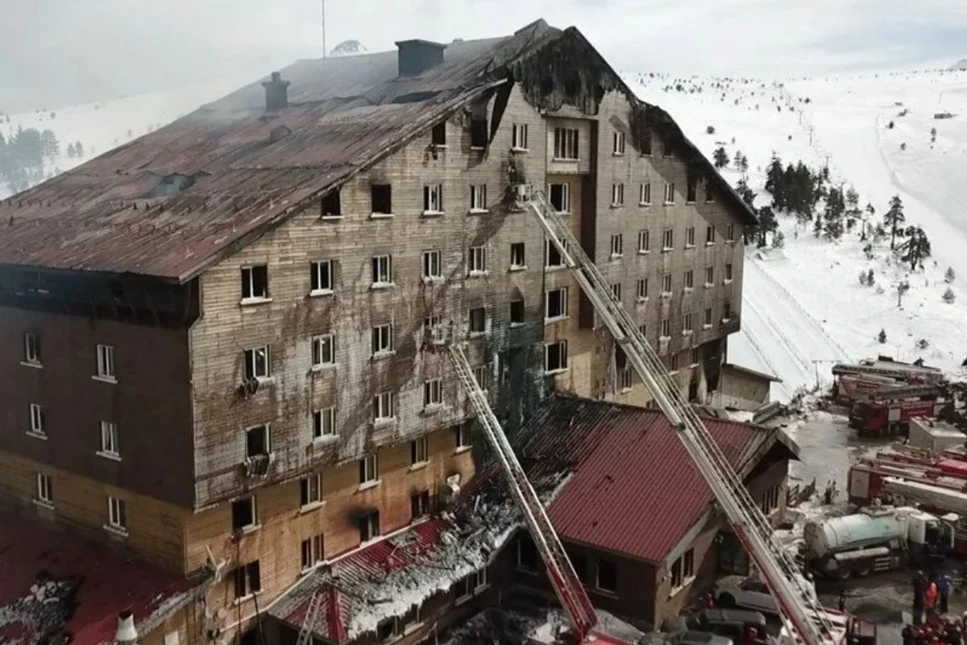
(688, 289)
(478, 148)
(668, 203)
(381, 216)
(624, 390)
(420, 465)
(43, 503)
(378, 286)
(710, 244)
(685, 583)
(642, 301)
(478, 274)
(324, 367)
(565, 160)
(432, 213)
(431, 409)
(433, 279)
(686, 332)
(462, 600)
(36, 435)
(616, 256)
(368, 485)
(379, 356)
(384, 423)
(617, 154)
(239, 601)
(709, 285)
(312, 506)
(669, 249)
(251, 528)
(478, 211)
(644, 252)
(689, 202)
(331, 218)
(666, 294)
(617, 205)
(726, 321)
(32, 364)
(605, 592)
(555, 319)
(515, 268)
(113, 456)
(325, 440)
(478, 334)
(104, 379)
(644, 204)
(462, 449)
(560, 370)
(518, 149)
(706, 327)
(556, 267)
(116, 530)
(530, 572)
(319, 293)
(727, 281)
(689, 246)
(252, 302)
(664, 339)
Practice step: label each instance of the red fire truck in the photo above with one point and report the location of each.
(885, 418)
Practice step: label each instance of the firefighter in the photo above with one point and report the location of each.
(930, 598)
(918, 588)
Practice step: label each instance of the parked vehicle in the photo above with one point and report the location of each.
(887, 418)
(879, 538)
(692, 637)
(750, 595)
(732, 623)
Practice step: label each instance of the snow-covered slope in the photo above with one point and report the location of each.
(803, 305)
(100, 127)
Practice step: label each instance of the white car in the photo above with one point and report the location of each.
(747, 595)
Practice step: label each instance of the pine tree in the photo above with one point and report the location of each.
(71, 151)
(833, 215)
(79, 149)
(916, 248)
(720, 157)
(949, 275)
(901, 289)
(881, 337)
(894, 218)
(863, 278)
(767, 224)
(948, 296)
(774, 183)
(870, 278)
(867, 217)
(738, 160)
(778, 240)
(50, 144)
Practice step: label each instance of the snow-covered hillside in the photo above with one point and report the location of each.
(100, 127)
(804, 306)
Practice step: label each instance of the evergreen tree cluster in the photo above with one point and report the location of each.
(794, 189)
(22, 157)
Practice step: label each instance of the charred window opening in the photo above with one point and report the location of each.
(646, 142)
(257, 441)
(420, 504)
(526, 553)
(369, 526)
(248, 580)
(517, 312)
(478, 125)
(381, 196)
(692, 191)
(580, 564)
(331, 204)
(439, 134)
(243, 513)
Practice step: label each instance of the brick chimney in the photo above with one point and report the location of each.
(417, 56)
(276, 92)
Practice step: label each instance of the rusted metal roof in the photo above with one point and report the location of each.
(117, 214)
(629, 457)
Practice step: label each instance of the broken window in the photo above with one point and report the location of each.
(477, 260)
(312, 551)
(324, 423)
(248, 580)
(320, 276)
(31, 349)
(670, 192)
(517, 257)
(472, 583)
(555, 303)
(691, 189)
(616, 292)
(617, 245)
(580, 564)
(646, 143)
(257, 441)
(368, 469)
(709, 192)
(643, 330)
(607, 578)
(690, 237)
(310, 490)
(433, 331)
(710, 235)
(642, 290)
(117, 514)
(668, 240)
(695, 356)
(382, 339)
(478, 198)
(256, 363)
(243, 513)
(478, 320)
(432, 265)
(644, 193)
(560, 197)
(516, 312)
(617, 194)
(683, 570)
(369, 526)
(323, 350)
(420, 448)
(565, 144)
(432, 392)
(689, 279)
(526, 553)
(644, 241)
(105, 361)
(439, 134)
(381, 196)
(255, 283)
(478, 125)
(555, 356)
(382, 270)
(666, 148)
(384, 407)
(433, 198)
(618, 143)
(419, 505)
(553, 257)
(331, 206)
(519, 136)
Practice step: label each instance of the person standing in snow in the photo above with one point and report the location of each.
(944, 588)
(930, 599)
(919, 585)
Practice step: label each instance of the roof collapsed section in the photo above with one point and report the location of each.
(174, 201)
(56, 584)
(581, 456)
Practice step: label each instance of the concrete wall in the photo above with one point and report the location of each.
(741, 390)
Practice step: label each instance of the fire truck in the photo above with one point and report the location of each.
(885, 418)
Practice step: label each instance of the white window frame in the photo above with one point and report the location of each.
(381, 266)
(318, 270)
(616, 291)
(618, 143)
(323, 351)
(432, 393)
(666, 284)
(110, 441)
(461, 439)
(617, 195)
(105, 363)
(477, 260)
(369, 469)
(478, 198)
(563, 294)
(518, 137)
(689, 280)
(250, 357)
(420, 451)
(381, 340)
(432, 265)
(617, 246)
(481, 376)
(565, 197)
(324, 423)
(486, 322)
(709, 235)
(266, 438)
(709, 276)
(32, 349)
(384, 407)
(248, 284)
(644, 193)
(45, 489)
(644, 242)
(548, 248)
(728, 273)
(372, 525)
(669, 192)
(690, 237)
(597, 579)
(433, 199)
(709, 316)
(562, 357)
(685, 564)
(641, 289)
(566, 144)
(37, 420)
(668, 239)
(312, 484)
(625, 378)
(312, 552)
(518, 261)
(687, 323)
(666, 328)
(117, 514)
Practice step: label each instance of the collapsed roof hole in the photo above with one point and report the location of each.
(173, 184)
(278, 133)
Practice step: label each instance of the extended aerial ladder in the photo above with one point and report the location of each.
(795, 596)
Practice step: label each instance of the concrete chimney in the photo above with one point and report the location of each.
(126, 633)
(276, 92)
(417, 56)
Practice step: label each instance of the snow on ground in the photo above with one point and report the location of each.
(803, 306)
(103, 126)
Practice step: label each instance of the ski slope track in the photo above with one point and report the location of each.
(804, 307)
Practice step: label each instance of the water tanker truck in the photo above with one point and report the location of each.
(878, 538)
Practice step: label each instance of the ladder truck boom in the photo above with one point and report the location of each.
(570, 592)
(794, 595)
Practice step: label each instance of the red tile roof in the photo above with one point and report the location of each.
(628, 457)
(83, 585)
